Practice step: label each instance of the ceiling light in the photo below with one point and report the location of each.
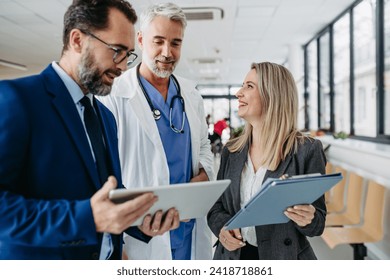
(209, 71)
(13, 65)
(206, 60)
(203, 13)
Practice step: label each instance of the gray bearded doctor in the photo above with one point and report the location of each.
(162, 132)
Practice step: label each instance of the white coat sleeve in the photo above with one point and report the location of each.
(206, 160)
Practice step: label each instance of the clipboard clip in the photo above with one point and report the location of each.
(284, 177)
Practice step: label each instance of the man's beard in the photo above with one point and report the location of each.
(90, 77)
(161, 73)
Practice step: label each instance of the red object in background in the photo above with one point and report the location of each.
(219, 126)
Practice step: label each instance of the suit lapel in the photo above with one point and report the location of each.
(141, 109)
(67, 110)
(238, 160)
(280, 170)
(111, 142)
(193, 121)
(139, 106)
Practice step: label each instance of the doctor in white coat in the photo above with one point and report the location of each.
(141, 100)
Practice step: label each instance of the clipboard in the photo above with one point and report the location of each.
(192, 200)
(276, 195)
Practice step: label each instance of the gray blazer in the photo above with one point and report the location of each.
(278, 241)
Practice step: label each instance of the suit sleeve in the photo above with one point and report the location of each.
(314, 162)
(40, 223)
(33, 222)
(218, 215)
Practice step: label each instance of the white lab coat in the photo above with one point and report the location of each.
(143, 158)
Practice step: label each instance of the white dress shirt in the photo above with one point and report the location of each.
(250, 184)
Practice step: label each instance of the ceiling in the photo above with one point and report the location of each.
(215, 51)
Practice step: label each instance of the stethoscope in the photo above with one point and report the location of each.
(156, 112)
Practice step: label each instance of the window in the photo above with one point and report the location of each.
(341, 58)
(365, 69)
(220, 102)
(387, 67)
(324, 82)
(312, 85)
(235, 120)
(348, 65)
(215, 102)
(301, 103)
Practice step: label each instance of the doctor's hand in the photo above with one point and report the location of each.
(231, 239)
(302, 215)
(115, 218)
(202, 176)
(160, 223)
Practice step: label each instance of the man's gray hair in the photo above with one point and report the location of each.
(168, 10)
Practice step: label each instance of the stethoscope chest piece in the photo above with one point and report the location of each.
(156, 114)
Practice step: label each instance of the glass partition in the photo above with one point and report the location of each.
(387, 66)
(365, 90)
(341, 58)
(324, 82)
(312, 90)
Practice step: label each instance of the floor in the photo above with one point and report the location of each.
(322, 251)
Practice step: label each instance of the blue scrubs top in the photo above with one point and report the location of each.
(177, 147)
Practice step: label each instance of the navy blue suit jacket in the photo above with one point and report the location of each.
(47, 172)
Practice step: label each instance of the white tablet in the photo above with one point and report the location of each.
(192, 200)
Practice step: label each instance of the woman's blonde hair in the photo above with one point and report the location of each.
(279, 113)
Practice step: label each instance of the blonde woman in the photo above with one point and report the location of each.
(269, 147)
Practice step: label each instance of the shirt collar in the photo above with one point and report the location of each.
(73, 88)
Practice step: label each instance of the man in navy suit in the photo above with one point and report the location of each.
(53, 193)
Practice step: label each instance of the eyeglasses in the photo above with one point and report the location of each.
(119, 53)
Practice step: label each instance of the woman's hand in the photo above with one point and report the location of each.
(302, 215)
(231, 239)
